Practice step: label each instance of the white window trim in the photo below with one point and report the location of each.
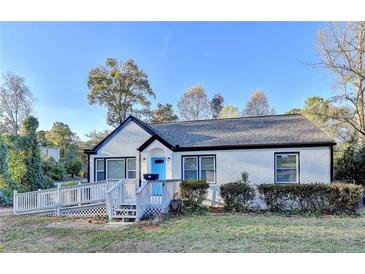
(99, 170)
(127, 170)
(114, 159)
(214, 170)
(297, 167)
(197, 165)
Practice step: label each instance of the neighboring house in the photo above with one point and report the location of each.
(51, 151)
(272, 149)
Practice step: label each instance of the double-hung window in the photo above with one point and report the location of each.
(207, 169)
(115, 168)
(199, 167)
(287, 168)
(190, 166)
(131, 168)
(100, 170)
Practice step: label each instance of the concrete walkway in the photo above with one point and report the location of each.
(6, 211)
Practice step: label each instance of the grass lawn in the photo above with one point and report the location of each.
(229, 233)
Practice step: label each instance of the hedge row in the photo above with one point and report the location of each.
(334, 198)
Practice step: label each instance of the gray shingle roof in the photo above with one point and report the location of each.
(263, 130)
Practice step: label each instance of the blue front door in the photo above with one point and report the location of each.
(158, 166)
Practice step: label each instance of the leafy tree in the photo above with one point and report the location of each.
(121, 87)
(72, 160)
(342, 49)
(95, 137)
(164, 113)
(217, 105)
(60, 136)
(4, 169)
(41, 138)
(16, 102)
(194, 104)
(229, 111)
(53, 169)
(74, 167)
(319, 111)
(294, 111)
(33, 178)
(258, 105)
(25, 159)
(351, 166)
(7, 185)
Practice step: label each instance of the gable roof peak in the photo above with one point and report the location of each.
(129, 119)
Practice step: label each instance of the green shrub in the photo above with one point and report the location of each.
(51, 168)
(193, 193)
(5, 199)
(350, 168)
(74, 167)
(194, 211)
(176, 206)
(72, 161)
(57, 172)
(238, 194)
(334, 198)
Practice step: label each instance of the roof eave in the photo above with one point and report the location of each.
(90, 151)
(152, 139)
(256, 146)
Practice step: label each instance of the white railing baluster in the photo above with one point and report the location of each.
(60, 197)
(147, 199)
(121, 192)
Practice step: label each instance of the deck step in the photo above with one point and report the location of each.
(124, 217)
(123, 210)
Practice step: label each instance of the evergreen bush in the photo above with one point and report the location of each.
(193, 193)
(333, 198)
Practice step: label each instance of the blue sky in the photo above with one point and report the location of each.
(233, 58)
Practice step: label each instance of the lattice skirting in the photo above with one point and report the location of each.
(79, 212)
(85, 212)
(151, 211)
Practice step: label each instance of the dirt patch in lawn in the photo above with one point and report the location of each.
(136, 247)
(150, 227)
(89, 224)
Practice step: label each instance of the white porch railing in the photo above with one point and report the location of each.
(146, 199)
(123, 192)
(112, 193)
(61, 197)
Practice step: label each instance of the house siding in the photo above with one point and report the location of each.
(315, 164)
(51, 152)
(123, 144)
